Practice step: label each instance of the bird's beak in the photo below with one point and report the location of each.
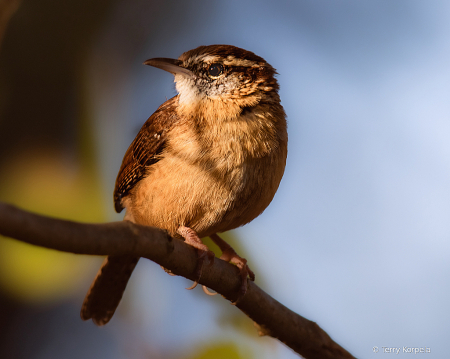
(169, 65)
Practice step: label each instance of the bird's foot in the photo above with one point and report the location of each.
(230, 255)
(168, 271)
(191, 237)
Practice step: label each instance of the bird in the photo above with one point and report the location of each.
(209, 160)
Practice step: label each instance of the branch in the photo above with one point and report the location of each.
(271, 317)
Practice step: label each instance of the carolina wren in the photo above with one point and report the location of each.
(208, 160)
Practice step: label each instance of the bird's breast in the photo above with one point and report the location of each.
(211, 178)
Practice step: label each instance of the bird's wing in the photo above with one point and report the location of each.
(145, 149)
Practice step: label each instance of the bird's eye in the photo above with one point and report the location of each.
(215, 70)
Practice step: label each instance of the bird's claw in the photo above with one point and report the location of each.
(191, 237)
(229, 255)
(207, 292)
(168, 271)
(202, 255)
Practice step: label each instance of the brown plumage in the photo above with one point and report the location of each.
(208, 160)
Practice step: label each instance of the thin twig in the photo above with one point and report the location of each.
(271, 317)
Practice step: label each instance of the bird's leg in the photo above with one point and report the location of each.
(230, 255)
(191, 237)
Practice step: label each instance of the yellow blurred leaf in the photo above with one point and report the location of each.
(36, 274)
(222, 351)
(50, 184)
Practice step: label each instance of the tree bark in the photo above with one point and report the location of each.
(271, 317)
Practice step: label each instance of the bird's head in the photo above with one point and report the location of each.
(221, 76)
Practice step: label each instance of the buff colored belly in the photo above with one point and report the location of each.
(176, 193)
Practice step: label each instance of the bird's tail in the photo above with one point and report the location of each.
(107, 289)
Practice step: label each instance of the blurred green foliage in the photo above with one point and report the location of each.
(52, 185)
(221, 351)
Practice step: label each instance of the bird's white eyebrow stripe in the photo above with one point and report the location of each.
(209, 59)
(232, 61)
(229, 61)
